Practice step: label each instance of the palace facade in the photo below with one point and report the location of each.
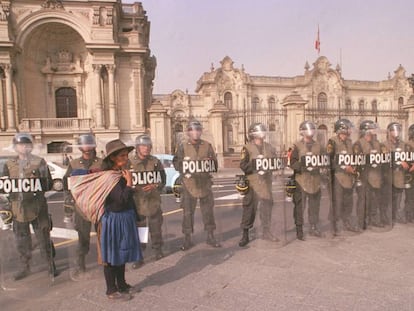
(70, 67)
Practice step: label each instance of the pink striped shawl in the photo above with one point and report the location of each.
(91, 190)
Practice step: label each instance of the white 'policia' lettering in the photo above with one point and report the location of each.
(351, 159)
(20, 185)
(199, 166)
(379, 158)
(317, 160)
(268, 164)
(146, 178)
(404, 156)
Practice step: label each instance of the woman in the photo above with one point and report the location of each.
(118, 231)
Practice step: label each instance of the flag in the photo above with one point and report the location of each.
(318, 42)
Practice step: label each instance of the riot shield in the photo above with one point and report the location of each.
(27, 253)
(374, 179)
(312, 198)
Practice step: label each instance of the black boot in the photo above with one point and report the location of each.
(245, 238)
(187, 243)
(211, 240)
(81, 263)
(158, 253)
(53, 272)
(315, 231)
(268, 236)
(299, 233)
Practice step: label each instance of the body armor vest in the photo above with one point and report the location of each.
(373, 175)
(398, 174)
(310, 182)
(345, 179)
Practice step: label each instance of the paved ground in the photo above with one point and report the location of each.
(368, 271)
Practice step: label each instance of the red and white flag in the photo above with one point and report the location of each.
(318, 42)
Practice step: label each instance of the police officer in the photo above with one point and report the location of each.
(396, 176)
(409, 179)
(196, 185)
(149, 183)
(260, 183)
(369, 190)
(86, 163)
(307, 181)
(30, 208)
(343, 176)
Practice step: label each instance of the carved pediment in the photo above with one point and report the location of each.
(64, 62)
(52, 4)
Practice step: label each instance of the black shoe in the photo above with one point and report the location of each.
(269, 237)
(119, 296)
(349, 227)
(129, 289)
(21, 274)
(299, 233)
(245, 238)
(314, 231)
(52, 270)
(187, 243)
(211, 240)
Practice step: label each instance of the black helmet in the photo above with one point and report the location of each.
(257, 130)
(22, 138)
(307, 128)
(411, 131)
(366, 126)
(87, 140)
(143, 139)
(242, 184)
(342, 126)
(194, 125)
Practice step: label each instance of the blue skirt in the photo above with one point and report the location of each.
(119, 238)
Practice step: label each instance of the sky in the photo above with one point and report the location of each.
(368, 38)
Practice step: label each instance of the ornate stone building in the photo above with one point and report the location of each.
(228, 100)
(69, 67)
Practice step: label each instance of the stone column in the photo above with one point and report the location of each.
(111, 95)
(11, 124)
(295, 114)
(158, 126)
(98, 103)
(139, 93)
(216, 127)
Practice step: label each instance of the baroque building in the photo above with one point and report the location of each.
(74, 66)
(228, 100)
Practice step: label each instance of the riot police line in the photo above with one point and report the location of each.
(363, 166)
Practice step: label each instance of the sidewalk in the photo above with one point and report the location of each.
(369, 271)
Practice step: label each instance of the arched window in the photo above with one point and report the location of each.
(255, 103)
(348, 105)
(228, 100)
(361, 106)
(229, 134)
(322, 101)
(271, 104)
(374, 106)
(66, 103)
(400, 103)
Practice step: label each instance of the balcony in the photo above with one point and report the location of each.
(55, 125)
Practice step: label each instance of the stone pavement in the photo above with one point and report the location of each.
(368, 271)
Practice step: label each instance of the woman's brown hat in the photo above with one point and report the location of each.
(114, 146)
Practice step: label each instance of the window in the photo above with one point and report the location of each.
(230, 134)
(272, 127)
(228, 100)
(361, 106)
(348, 105)
(272, 104)
(400, 103)
(374, 106)
(66, 104)
(322, 101)
(255, 103)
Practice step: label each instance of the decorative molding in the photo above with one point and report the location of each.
(52, 4)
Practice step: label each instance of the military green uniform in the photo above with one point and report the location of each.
(396, 178)
(260, 186)
(342, 183)
(369, 192)
(31, 208)
(148, 203)
(198, 186)
(307, 183)
(82, 225)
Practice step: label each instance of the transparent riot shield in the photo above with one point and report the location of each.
(27, 253)
(374, 179)
(312, 198)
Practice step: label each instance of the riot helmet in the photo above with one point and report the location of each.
(367, 126)
(143, 139)
(411, 131)
(343, 126)
(257, 130)
(307, 128)
(86, 140)
(194, 130)
(394, 129)
(22, 138)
